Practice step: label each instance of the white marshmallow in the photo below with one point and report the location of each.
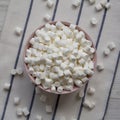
(67, 72)
(48, 82)
(60, 89)
(63, 66)
(68, 87)
(60, 73)
(13, 72)
(111, 45)
(53, 76)
(7, 86)
(91, 65)
(19, 112)
(18, 31)
(94, 21)
(38, 117)
(84, 80)
(59, 25)
(100, 66)
(53, 88)
(25, 111)
(76, 3)
(91, 91)
(48, 108)
(78, 83)
(92, 1)
(80, 94)
(98, 7)
(106, 52)
(50, 3)
(47, 17)
(43, 98)
(57, 84)
(108, 5)
(103, 2)
(80, 35)
(89, 104)
(19, 71)
(72, 26)
(37, 81)
(16, 100)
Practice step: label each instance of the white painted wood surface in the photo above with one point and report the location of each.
(68, 105)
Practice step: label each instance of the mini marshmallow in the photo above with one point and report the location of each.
(91, 65)
(57, 84)
(67, 73)
(53, 88)
(38, 117)
(48, 108)
(25, 111)
(16, 100)
(60, 89)
(59, 25)
(94, 21)
(7, 86)
(42, 67)
(50, 3)
(19, 71)
(37, 81)
(76, 3)
(103, 2)
(89, 71)
(84, 80)
(98, 7)
(91, 91)
(47, 17)
(60, 73)
(68, 87)
(111, 46)
(19, 112)
(108, 5)
(72, 26)
(63, 66)
(48, 82)
(53, 76)
(92, 1)
(78, 83)
(80, 94)
(13, 72)
(43, 98)
(80, 35)
(71, 66)
(18, 31)
(106, 52)
(89, 104)
(100, 66)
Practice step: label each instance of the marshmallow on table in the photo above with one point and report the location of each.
(38, 117)
(94, 21)
(106, 52)
(108, 5)
(80, 94)
(19, 71)
(13, 72)
(6, 86)
(25, 111)
(76, 3)
(92, 1)
(47, 17)
(98, 7)
(18, 31)
(111, 46)
(48, 108)
(19, 112)
(16, 100)
(100, 66)
(91, 91)
(50, 3)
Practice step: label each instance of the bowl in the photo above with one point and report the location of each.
(28, 45)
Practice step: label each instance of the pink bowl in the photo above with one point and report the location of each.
(32, 78)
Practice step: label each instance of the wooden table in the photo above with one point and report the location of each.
(113, 111)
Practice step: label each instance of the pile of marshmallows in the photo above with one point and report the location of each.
(60, 57)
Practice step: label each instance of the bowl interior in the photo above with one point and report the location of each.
(28, 45)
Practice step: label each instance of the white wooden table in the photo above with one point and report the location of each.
(28, 14)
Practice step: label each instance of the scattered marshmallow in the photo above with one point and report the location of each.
(91, 91)
(18, 31)
(94, 21)
(13, 72)
(80, 94)
(92, 1)
(39, 117)
(111, 46)
(100, 66)
(98, 7)
(106, 52)
(89, 104)
(48, 108)
(16, 100)
(25, 111)
(108, 5)
(43, 98)
(19, 112)
(76, 3)
(47, 17)
(6, 86)
(50, 3)
(19, 71)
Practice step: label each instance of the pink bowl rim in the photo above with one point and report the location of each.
(28, 44)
